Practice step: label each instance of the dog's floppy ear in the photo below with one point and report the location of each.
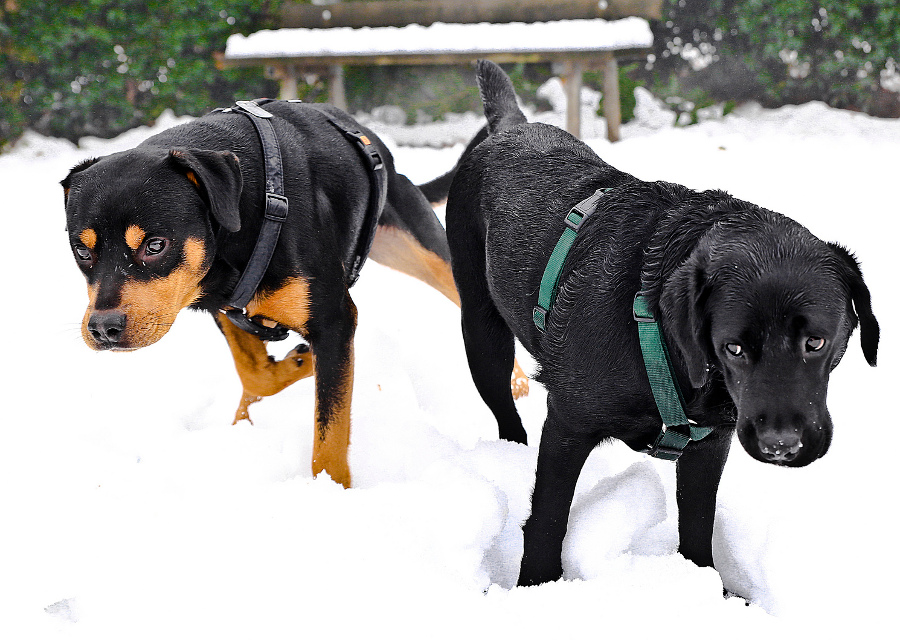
(78, 168)
(218, 176)
(682, 305)
(862, 303)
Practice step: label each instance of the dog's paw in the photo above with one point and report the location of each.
(298, 354)
(731, 594)
(243, 410)
(519, 382)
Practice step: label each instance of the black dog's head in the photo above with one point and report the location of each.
(772, 307)
(139, 226)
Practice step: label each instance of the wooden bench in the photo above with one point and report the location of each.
(319, 40)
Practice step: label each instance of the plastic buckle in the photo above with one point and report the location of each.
(240, 319)
(276, 207)
(645, 316)
(574, 224)
(253, 109)
(376, 160)
(657, 450)
(540, 317)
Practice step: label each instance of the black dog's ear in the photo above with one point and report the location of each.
(67, 181)
(218, 176)
(682, 305)
(862, 303)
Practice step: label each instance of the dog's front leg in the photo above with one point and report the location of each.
(331, 339)
(698, 473)
(561, 455)
(260, 374)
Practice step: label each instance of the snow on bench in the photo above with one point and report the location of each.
(574, 45)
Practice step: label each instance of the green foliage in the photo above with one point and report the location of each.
(94, 67)
(627, 85)
(784, 51)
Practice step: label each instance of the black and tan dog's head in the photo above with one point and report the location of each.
(139, 224)
(771, 307)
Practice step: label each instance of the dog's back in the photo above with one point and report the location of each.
(500, 195)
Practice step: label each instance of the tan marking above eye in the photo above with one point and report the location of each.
(134, 236)
(193, 178)
(88, 238)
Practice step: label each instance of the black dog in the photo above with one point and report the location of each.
(172, 224)
(755, 310)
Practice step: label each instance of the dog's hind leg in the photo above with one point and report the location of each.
(489, 342)
(490, 349)
(698, 472)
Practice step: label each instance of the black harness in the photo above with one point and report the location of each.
(276, 211)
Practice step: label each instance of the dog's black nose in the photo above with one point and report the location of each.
(780, 446)
(107, 327)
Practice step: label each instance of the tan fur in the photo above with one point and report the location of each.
(399, 250)
(151, 306)
(289, 305)
(260, 374)
(88, 238)
(134, 236)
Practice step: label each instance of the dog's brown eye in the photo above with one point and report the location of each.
(815, 344)
(82, 252)
(153, 249)
(734, 349)
(155, 246)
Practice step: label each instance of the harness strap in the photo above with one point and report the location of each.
(550, 279)
(677, 430)
(377, 196)
(276, 207)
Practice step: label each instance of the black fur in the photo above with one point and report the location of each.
(719, 271)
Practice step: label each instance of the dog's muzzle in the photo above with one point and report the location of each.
(789, 439)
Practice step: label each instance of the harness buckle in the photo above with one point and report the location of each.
(639, 310)
(663, 451)
(276, 207)
(540, 317)
(253, 109)
(575, 223)
(242, 321)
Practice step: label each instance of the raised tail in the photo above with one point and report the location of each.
(498, 96)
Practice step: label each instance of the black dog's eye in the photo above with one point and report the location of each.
(82, 253)
(815, 344)
(734, 349)
(153, 249)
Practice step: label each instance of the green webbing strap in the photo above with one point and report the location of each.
(672, 439)
(670, 442)
(550, 279)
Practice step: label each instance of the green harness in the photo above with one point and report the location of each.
(677, 430)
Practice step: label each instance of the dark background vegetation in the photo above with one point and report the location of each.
(92, 67)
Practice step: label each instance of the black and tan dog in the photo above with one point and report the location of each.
(756, 312)
(171, 224)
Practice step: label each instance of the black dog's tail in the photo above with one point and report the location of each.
(498, 96)
(502, 112)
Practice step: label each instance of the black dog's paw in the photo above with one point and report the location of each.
(731, 594)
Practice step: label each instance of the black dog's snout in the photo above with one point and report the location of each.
(107, 327)
(780, 446)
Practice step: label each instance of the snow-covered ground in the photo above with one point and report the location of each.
(132, 508)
